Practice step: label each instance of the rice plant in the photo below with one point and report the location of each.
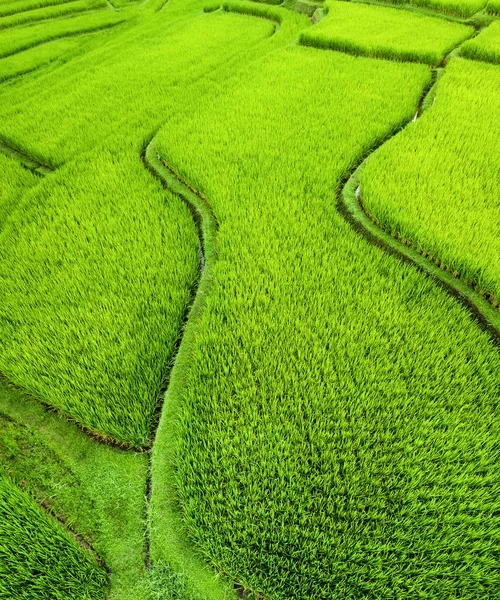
(486, 46)
(50, 12)
(385, 33)
(436, 183)
(335, 431)
(38, 559)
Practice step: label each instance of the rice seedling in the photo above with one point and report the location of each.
(50, 12)
(38, 559)
(385, 33)
(334, 427)
(14, 180)
(436, 183)
(40, 56)
(18, 6)
(493, 7)
(486, 46)
(17, 39)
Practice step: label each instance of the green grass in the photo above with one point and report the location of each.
(98, 491)
(436, 183)
(17, 39)
(385, 33)
(486, 46)
(38, 559)
(32, 59)
(493, 7)
(459, 8)
(50, 12)
(97, 342)
(14, 179)
(329, 429)
(18, 6)
(336, 432)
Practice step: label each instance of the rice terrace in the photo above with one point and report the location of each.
(249, 299)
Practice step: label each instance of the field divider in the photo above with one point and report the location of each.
(56, 36)
(169, 546)
(29, 162)
(350, 206)
(54, 516)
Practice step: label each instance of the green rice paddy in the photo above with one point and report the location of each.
(486, 46)
(385, 33)
(232, 363)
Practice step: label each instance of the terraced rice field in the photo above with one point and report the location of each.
(250, 286)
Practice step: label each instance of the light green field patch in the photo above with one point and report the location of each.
(486, 46)
(51, 12)
(436, 183)
(21, 38)
(385, 33)
(18, 6)
(33, 58)
(494, 7)
(14, 181)
(38, 559)
(459, 8)
(337, 427)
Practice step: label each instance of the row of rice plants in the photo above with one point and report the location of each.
(96, 342)
(486, 46)
(336, 435)
(493, 7)
(25, 62)
(38, 559)
(51, 12)
(14, 179)
(21, 38)
(459, 8)
(436, 184)
(385, 33)
(96, 490)
(17, 6)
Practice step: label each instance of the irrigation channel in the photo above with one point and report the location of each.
(350, 206)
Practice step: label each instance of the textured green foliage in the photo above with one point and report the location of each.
(37, 469)
(486, 46)
(460, 8)
(385, 33)
(21, 38)
(38, 559)
(109, 259)
(494, 7)
(99, 314)
(98, 491)
(437, 182)
(34, 58)
(18, 6)
(14, 180)
(51, 12)
(337, 429)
